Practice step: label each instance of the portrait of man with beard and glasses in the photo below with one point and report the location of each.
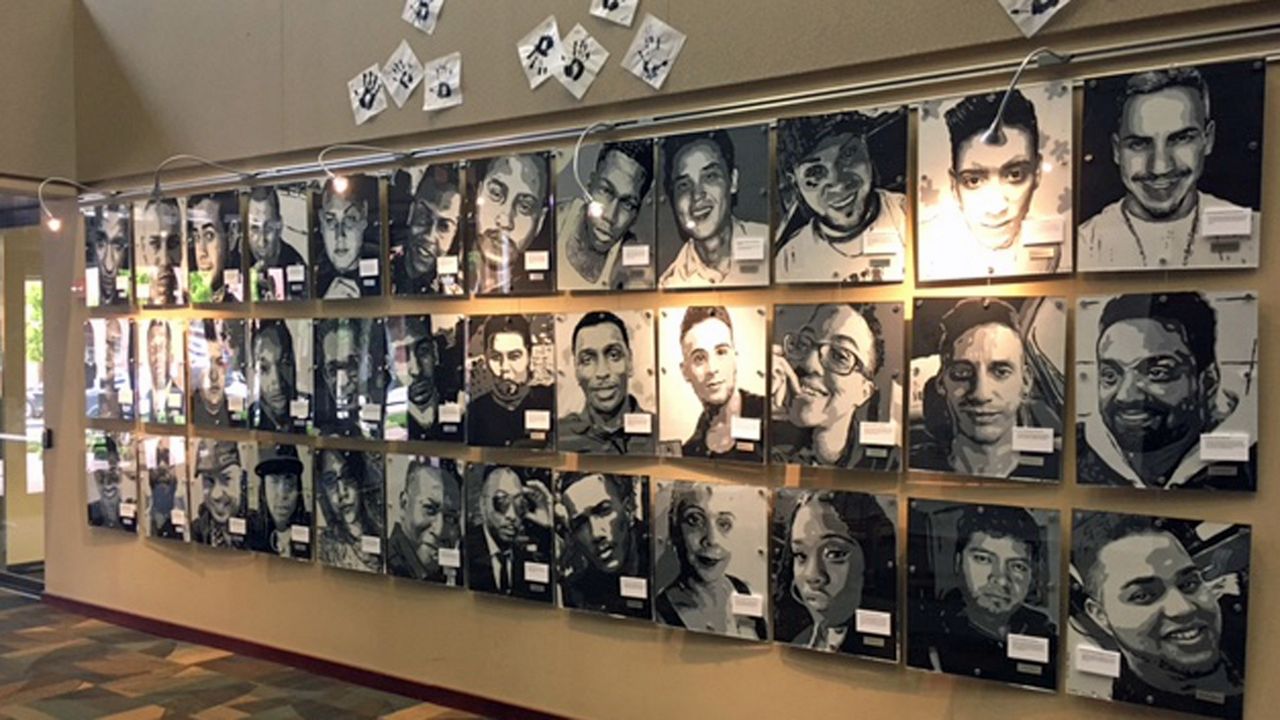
(219, 493)
(511, 381)
(718, 411)
(350, 494)
(509, 246)
(112, 471)
(281, 398)
(162, 376)
(350, 377)
(607, 385)
(427, 390)
(988, 387)
(109, 366)
(602, 528)
(347, 243)
(424, 512)
(157, 237)
(426, 253)
(509, 529)
(281, 501)
(1167, 396)
(982, 591)
(606, 240)
(108, 255)
(842, 192)
(835, 391)
(219, 391)
(213, 248)
(1172, 171)
(995, 204)
(833, 560)
(279, 232)
(164, 487)
(716, 233)
(1159, 612)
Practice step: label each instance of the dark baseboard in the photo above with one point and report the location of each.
(21, 583)
(435, 694)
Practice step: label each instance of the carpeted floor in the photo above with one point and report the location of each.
(55, 664)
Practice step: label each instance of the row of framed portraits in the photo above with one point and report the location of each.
(1168, 181)
(1157, 607)
(1165, 392)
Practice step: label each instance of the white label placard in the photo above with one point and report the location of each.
(231, 277)
(873, 622)
(1226, 222)
(295, 273)
(128, 510)
(368, 267)
(126, 396)
(536, 572)
(178, 517)
(175, 400)
(92, 291)
(300, 533)
(742, 428)
(371, 544)
(447, 265)
(1043, 231)
(235, 403)
(637, 423)
(450, 413)
(450, 557)
(1224, 447)
(1028, 647)
(144, 286)
(1096, 661)
(370, 413)
(881, 434)
(748, 249)
(882, 242)
(537, 260)
(747, 604)
(537, 419)
(1033, 440)
(299, 408)
(635, 255)
(633, 587)
(122, 283)
(236, 526)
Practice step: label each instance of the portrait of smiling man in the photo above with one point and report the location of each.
(602, 521)
(611, 358)
(219, 486)
(424, 512)
(510, 250)
(426, 220)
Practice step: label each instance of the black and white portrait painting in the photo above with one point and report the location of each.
(995, 195)
(510, 244)
(713, 228)
(108, 255)
(351, 496)
(350, 376)
(988, 387)
(982, 591)
(842, 183)
(511, 371)
(347, 242)
(1167, 390)
(162, 397)
(111, 469)
(712, 395)
(158, 228)
(833, 559)
(109, 362)
(281, 501)
(217, 354)
(163, 476)
(426, 248)
(508, 545)
(1159, 612)
(427, 393)
(602, 528)
(424, 519)
(220, 492)
(606, 238)
(835, 388)
(1172, 170)
(279, 230)
(281, 372)
(606, 391)
(710, 570)
(214, 260)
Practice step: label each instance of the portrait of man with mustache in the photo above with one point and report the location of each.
(510, 243)
(602, 523)
(512, 382)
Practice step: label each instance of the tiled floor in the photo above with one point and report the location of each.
(55, 664)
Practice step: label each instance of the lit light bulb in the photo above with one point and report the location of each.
(53, 223)
(1046, 166)
(340, 184)
(690, 225)
(595, 209)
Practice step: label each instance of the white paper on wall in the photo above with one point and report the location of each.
(621, 12)
(653, 51)
(365, 92)
(540, 52)
(444, 83)
(402, 73)
(581, 62)
(1031, 15)
(422, 14)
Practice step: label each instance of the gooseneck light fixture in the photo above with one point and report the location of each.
(1045, 57)
(51, 221)
(594, 208)
(184, 157)
(340, 182)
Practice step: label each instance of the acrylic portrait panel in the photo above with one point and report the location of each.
(1171, 172)
(835, 395)
(350, 376)
(278, 221)
(606, 238)
(508, 543)
(281, 501)
(711, 536)
(606, 389)
(424, 519)
(158, 227)
(842, 183)
(111, 470)
(1159, 603)
(702, 371)
(1167, 390)
(511, 376)
(110, 356)
(346, 245)
(350, 495)
(603, 564)
(425, 252)
(995, 209)
(281, 375)
(108, 255)
(982, 591)
(219, 490)
(162, 397)
(217, 351)
(214, 242)
(511, 225)
(988, 387)
(163, 478)
(714, 205)
(427, 392)
(833, 561)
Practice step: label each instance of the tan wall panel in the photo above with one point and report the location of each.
(37, 113)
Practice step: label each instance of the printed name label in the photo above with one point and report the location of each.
(231, 278)
(1043, 231)
(371, 413)
(635, 255)
(370, 544)
(749, 605)
(633, 587)
(178, 517)
(236, 526)
(537, 420)
(873, 622)
(128, 510)
(295, 273)
(748, 249)
(883, 434)
(1226, 222)
(450, 557)
(637, 423)
(745, 429)
(1033, 440)
(300, 533)
(299, 408)
(1224, 447)
(1028, 647)
(882, 242)
(450, 413)
(447, 265)
(368, 267)
(536, 572)
(537, 260)
(1097, 661)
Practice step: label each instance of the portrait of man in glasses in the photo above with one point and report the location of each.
(426, 254)
(108, 260)
(509, 528)
(350, 377)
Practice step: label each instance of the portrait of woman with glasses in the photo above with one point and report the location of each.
(349, 525)
(351, 377)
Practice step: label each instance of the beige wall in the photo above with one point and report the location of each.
(37, 115)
